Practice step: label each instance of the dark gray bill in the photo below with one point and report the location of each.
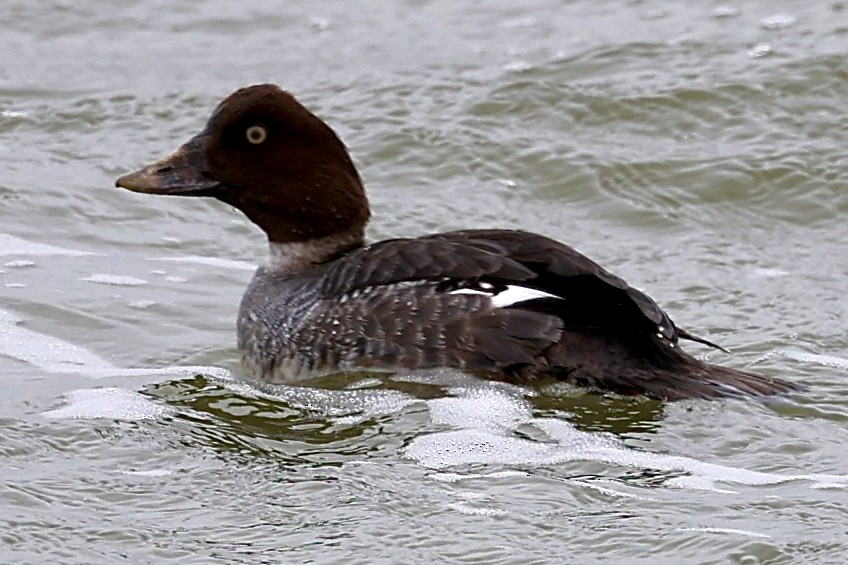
(182, 172)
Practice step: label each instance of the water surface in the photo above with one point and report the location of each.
(698, 149)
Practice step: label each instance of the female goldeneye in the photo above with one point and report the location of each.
(502, 304)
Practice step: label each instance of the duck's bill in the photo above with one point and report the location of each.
(181, 173)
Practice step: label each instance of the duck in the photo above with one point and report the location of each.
(499, 304)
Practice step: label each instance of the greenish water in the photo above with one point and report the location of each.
(698, 149)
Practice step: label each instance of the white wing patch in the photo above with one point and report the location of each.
(509, 296)
(515, 294)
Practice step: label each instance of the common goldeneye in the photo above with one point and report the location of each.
(502, 304)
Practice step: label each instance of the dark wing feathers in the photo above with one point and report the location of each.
(510, 337)
(563, 271)
(595, 298)
(401, 260)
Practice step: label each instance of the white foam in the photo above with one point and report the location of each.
(606, 491)
(805, 357)
(149, 473)
(46, 352)
(116, 280)
(11, 245)
(475, 504)
(474, 409)
(725, 11)
(778, 21)
(349, 406)
(760, 50)
(53, 355)
(210, 261)
(19, 264)
(109, 403)
(461, 382)
(446, 477)
(485, 432)
(770, 273)
(731, 531)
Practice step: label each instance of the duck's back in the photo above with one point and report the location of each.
(507, 304)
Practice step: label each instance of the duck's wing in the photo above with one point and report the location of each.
(579, 291)
(575, 320)
(594, 298)
(434, 259)
(584, 295)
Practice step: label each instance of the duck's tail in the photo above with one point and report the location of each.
(653, 369)
(699, 380)
(717, 381)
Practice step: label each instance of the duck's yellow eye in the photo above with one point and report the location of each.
(256, 134)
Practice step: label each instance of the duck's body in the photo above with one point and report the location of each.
(503, 304)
